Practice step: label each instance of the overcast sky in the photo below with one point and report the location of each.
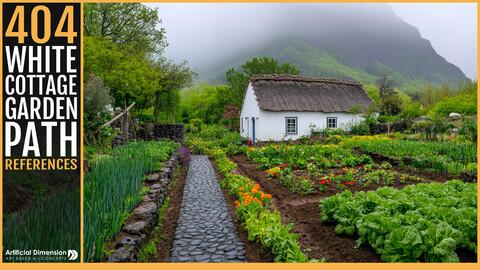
(199, 32)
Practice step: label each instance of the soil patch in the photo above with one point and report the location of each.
(303, 211)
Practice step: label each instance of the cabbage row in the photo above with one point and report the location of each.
(424, 222)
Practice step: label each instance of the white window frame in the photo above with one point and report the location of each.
(332, 118)
(286, 125)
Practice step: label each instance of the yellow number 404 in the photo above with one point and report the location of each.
(19, 15)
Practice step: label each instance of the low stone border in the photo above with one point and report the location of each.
(468, 177)
(145, 216)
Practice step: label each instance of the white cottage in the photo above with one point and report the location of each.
(276, 105)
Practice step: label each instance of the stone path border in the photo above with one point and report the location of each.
(205, 231)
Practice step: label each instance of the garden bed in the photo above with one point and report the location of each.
(304, 212)
(255, 251)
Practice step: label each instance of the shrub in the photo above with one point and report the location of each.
(469, 129)
(471, 167)
(361, 128)
(464, 104)
(96, 98)
(386, 165)
(184, 155)
(412, 110)
(382, 118)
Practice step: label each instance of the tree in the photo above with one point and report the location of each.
(385, 82)
(206, 102)
(173, 77)
(96, 98)
(131, 24)
(238, 80)
(129, 76)
(390, 101)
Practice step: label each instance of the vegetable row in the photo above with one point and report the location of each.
(424, 222)
(112, 189)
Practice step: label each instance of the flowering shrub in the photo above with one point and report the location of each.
(273, 172)
(184, 155)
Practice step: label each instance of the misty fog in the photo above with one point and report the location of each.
(205, 33)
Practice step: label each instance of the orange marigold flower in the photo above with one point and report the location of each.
(237, 202)
(240, 193)
(249, 184)
(268, 196)
(241, 189)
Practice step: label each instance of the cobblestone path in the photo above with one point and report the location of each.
(205, 231)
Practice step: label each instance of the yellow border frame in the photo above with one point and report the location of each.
(369, 266)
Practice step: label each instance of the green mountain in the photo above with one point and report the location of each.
(358, 48)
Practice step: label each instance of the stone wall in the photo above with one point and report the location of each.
(382, 128)
(159, 132)
(145, 216)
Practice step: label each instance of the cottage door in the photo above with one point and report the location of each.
(253, 130)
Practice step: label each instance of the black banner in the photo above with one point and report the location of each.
(41, 132)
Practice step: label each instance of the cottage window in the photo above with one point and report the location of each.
(332, 122)
(290, 125)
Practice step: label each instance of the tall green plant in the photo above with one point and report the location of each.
(52, 223)
(111, 190)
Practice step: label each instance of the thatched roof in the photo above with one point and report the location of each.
(282, 92)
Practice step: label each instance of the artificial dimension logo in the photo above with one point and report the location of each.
(41, 255)
(72, 254)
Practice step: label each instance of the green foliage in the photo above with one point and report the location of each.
(469, 129)
(50, 223)
(432, 220)
(471, 167)
(435, 155)
(96, 98)
(386, 165)
(172, 77)
(131, 24)
(148, 250)
(128, 74)
(463, 104)
(412, 110)
(205, 102)
(360, 128)
(112, 189)
(372, 93)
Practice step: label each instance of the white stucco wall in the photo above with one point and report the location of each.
(250, 109)
(271, 125)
